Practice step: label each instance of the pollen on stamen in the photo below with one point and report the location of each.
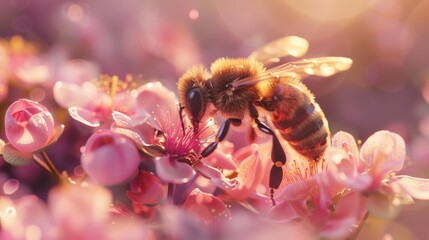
(112, 85)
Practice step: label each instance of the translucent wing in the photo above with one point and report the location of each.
(286, 46)
(322, 66)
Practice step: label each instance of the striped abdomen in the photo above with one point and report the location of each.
(298, 118)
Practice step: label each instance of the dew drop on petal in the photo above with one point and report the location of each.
(10, 186)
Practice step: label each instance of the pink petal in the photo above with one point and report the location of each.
(123, 120)
(135, 136)
(249, 174)
(206, 207)
(345, 170)
(383, 152)
(345, 141)
(222, 157)
(72, 95)
(77, 71)
(283, 212)
(159, 102)
(172, 171)
(417, 187)
(298, 190)
(216, 176)
(79, 210)
(382, 205)
(341, 139)
(128, 228)
(125, 101)
(32, 212)
(84, 116)
(146, 189)
(33, 71)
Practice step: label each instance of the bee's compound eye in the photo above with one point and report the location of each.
(196, 103)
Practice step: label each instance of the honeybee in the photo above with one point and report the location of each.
(239, 88)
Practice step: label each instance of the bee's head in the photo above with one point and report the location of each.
(193, 92)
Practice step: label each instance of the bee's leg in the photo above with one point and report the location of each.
(181, 108)
(278, 157)
(221, 134)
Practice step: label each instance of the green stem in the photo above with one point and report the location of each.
(41, 163)
(359, 228)
(51, 166)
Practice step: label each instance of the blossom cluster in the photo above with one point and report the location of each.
(142, 177)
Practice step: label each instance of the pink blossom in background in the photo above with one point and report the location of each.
(72, 212)
(92, 102)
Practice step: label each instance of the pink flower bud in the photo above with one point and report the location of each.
(109, 158)
(29, 125)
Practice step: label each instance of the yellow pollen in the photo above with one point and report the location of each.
(111, 85)
(278, 164)
(114, 87)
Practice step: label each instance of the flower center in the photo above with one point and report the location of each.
(24, 115)
(112, 84)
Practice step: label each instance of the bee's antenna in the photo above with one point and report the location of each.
(181, 117)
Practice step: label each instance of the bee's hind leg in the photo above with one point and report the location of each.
(278, 155)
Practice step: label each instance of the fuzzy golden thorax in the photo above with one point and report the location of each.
(233, 102)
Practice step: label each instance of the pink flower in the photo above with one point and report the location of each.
(178, 159)
(110, 158)
(320, 201)
(380, 156)
(372, 171)
(29, 125)
(92, 103)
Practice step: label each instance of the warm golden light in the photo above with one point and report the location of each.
(330, 9)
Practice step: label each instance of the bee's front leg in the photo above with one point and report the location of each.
(221, 134)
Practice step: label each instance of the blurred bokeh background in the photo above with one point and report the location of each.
(386, 88)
